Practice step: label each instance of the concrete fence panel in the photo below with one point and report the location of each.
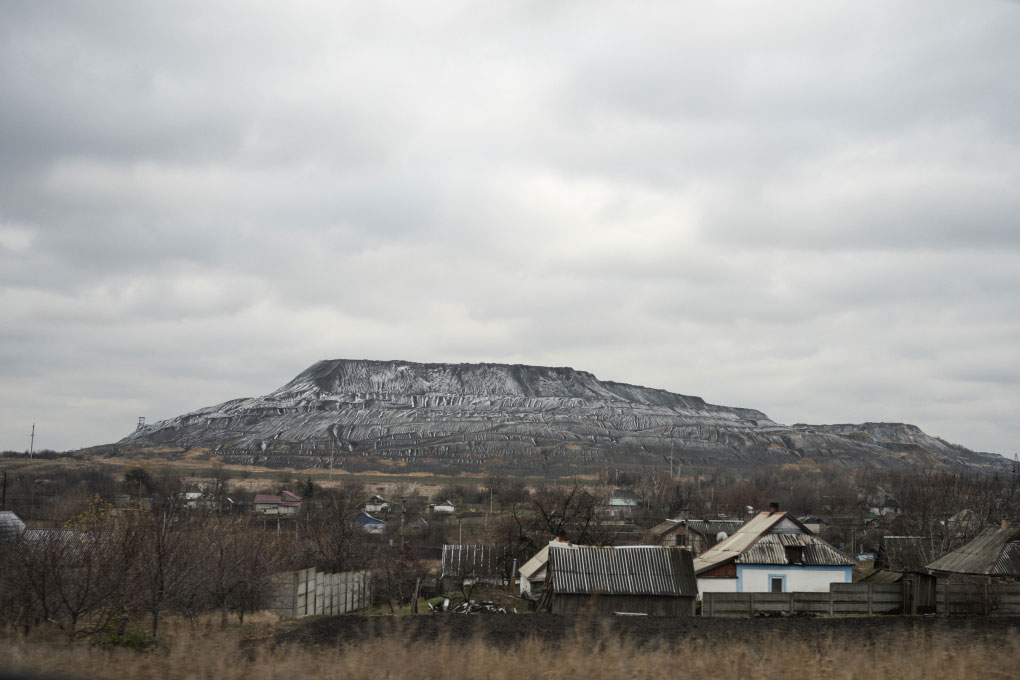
(307, 592)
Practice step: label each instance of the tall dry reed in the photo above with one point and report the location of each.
(217, 655)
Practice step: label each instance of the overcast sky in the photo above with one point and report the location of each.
(809, 208)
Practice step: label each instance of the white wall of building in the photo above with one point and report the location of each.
(716, 585)
(754, 578)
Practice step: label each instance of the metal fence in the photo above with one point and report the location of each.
(307, 592)
(863, 599)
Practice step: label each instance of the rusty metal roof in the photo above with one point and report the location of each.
(994, 552)
(636, 570)
(771, 549)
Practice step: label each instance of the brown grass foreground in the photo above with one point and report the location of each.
(206, 652)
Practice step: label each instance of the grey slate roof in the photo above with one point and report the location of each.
(711, 527)
(635, 570)
(994, 552)
(761, 541)
(11, 525)
(771, 549)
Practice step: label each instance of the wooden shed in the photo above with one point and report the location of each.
(648, 580)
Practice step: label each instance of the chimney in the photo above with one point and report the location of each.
(1004, 522)
(773, 508)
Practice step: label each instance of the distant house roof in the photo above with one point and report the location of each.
(713, 527)
(285, 499)
(10, 525)
(709, 528)
(624, 497)
(365, 518)
(994, 552)
(376, 500)
(764, 539)
(636, 570)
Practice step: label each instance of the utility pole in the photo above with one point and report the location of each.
(31, 448)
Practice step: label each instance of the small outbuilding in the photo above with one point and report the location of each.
(995, 552)
(631, 580)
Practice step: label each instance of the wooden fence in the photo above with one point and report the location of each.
(863, 599)
(307, 592)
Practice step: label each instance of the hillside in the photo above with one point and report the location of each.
(448, 418)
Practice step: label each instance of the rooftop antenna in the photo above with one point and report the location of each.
(141, 423)
(31, 446)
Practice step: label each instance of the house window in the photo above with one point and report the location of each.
(775, 584)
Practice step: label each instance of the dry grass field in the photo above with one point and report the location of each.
(257, 653)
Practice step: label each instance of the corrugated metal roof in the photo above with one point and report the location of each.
(771, 549)
(765, 528)
(640, 570)
(739, 541)
(994, 552)
(711, 527)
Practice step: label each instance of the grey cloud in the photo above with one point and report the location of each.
(805, 209)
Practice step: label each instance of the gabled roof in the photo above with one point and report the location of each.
(639, 570)
(534, 569)
(814, 552)
(994, 552)
(760, 542)
(663, 528)
(710, 528)
(365, 518)
(267, 498)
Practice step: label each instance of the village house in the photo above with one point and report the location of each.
(377, 504)
(621, 504)
(284, 503)
(697, 534)
(643, 580)
(444, 508)
(369, 524)
(772, 553)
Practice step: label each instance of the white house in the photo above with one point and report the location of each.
(377, 504)
(444, 508)
(284, 503)
(772, 553)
